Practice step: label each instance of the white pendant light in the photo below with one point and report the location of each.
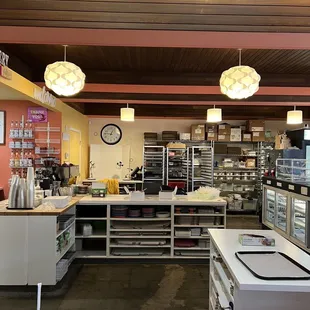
(294, 117)
(239, 82)
(214, 115)
(127, 114)
(64, 78)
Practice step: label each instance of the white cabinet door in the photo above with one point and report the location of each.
(13, 253)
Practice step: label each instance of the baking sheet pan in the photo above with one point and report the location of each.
(271, 265)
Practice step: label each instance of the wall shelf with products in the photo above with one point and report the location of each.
(22, 146)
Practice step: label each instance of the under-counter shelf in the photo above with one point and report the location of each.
(93, 236)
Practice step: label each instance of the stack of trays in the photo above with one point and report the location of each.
(119, 211)
(134, 212)
(148, 212)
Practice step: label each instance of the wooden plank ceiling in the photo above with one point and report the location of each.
(169, 66)
(210, 15)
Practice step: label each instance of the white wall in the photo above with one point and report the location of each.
(133, 135)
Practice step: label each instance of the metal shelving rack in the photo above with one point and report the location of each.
(22, 148)
(200, 167)
(176, 165)
(240, 177)
(154, 163)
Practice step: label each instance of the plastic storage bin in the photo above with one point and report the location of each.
(249, 204)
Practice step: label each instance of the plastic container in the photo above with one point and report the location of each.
(250, 204)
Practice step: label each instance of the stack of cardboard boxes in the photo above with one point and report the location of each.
(253, 131)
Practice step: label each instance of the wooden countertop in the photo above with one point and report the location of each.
(150, 200)
(37, 211)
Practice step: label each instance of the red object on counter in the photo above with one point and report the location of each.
(173, 184)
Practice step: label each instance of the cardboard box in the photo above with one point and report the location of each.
(211, 136)
(256, 125)
(250, 163)
(211, 128)
(246, 137)
(185, 136)
(223, 138)
(258, 136)
(198, 132)
(224, 129)
(235, 134)
(220, 148)
(234, 150)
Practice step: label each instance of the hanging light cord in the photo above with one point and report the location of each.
(65, 52)
(239, 56)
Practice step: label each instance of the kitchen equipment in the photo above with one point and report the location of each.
(13, 192)
(82, 189)
(30, 187)
(22, 194)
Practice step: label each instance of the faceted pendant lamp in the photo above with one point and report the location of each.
(214, 115)
(239, 82)
(127, 114)
(294, 117)
(64, 78)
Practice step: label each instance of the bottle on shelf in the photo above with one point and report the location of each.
(21, 130)
(12, 159)
(12, 132)
(16, 131)
(30, 159)
(30, 129)
(16, 160)
(21, 159)
(26, 131)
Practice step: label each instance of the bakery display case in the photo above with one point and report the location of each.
(300, 220)
(286, 210)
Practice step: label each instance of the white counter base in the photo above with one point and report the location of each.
(244, 290)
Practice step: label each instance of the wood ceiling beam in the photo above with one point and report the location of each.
(182, 103)
(185, 89)
(153, 38)
(194, 112)
(189, 97)
(183, 79)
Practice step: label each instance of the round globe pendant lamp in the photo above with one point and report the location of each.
(64, 77)
(214, 115)
(294, 117)
(239, 82)
(127, 114)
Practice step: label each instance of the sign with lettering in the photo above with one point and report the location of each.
(5, 72)
(44, 96)
(4, 59)
(37, 115)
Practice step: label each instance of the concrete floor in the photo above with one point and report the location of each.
(124, 287)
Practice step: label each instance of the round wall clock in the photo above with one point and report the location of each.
(111, 134)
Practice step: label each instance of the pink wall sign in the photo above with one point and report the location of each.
(37, 115)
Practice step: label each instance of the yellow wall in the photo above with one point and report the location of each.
(70, 117)
(73, 119)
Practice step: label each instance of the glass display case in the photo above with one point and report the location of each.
(281, 211)
(294, 170)
(270, 203)
(299, 220)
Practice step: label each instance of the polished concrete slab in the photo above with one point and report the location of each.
(123, 287)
